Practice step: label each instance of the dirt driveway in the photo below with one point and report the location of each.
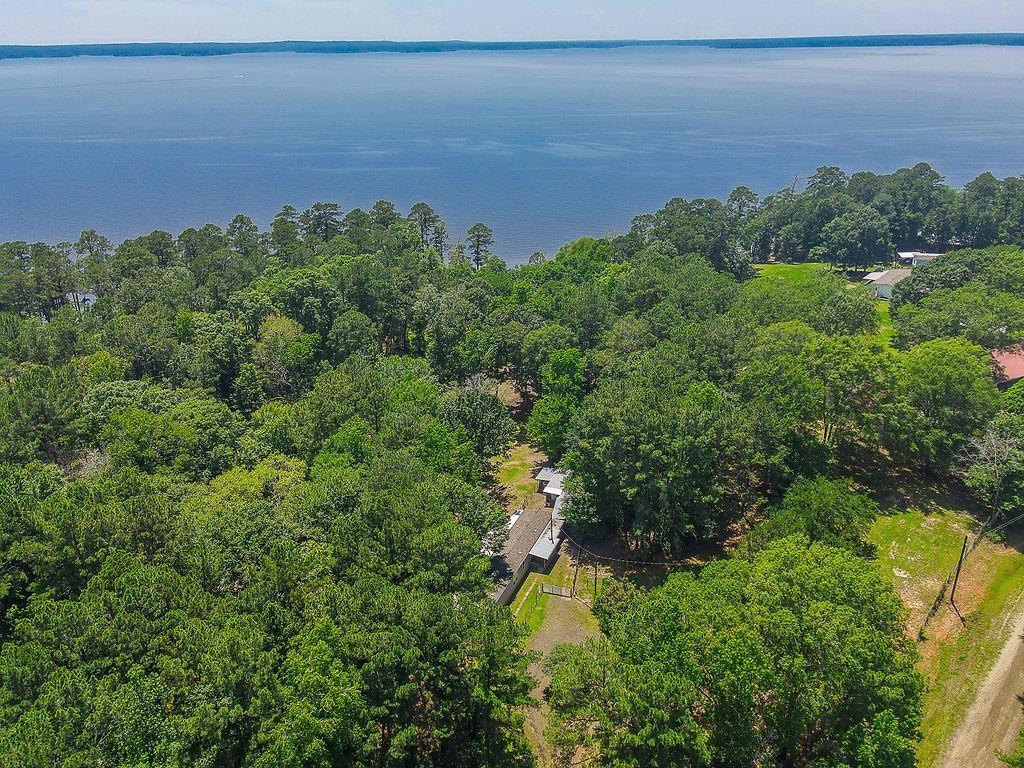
(566, 621)
(995, 718)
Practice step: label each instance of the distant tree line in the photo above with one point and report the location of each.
(851, 221)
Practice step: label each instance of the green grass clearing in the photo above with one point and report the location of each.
(790, 271)
(885, 329)
(530, 606)
(917, 551)
(515, 472)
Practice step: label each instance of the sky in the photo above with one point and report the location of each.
(88, 21)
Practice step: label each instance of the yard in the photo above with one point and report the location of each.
(918, 539)
(790, 271)
(797, 272)
(885, 329)
(516, 475)
(550, 621)
(917, 550)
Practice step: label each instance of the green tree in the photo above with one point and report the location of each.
(353, 333)
(247, 391)
(285, 355)
(858, 238)
(563, 378)
(994, 464)
(795, 657)
(949, 384)
(427, 221)
(479, 239)
(820, 510)
(320, 222)
(477, 408)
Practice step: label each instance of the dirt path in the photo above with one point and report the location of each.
(567, 621)
(995, 718)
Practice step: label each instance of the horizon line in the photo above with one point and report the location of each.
(222, 48)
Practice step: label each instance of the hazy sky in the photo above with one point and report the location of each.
(72, 21)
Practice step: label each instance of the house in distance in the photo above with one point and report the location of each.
(884, 281)
(915, 258)
(1009, 365)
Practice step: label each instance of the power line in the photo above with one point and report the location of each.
(607, 558)
(955, 573)
(1000, 527)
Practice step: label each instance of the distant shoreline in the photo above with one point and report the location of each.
(447, 46)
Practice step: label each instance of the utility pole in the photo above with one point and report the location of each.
(576, 572)
(956, 580)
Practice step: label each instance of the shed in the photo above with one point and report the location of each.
(888, 280)
(923, 258)
(915, 258)
(550, 482)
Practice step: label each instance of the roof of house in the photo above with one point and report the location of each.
(553, 478)
(551, 538)
(1009, 363)
(548, 542)
(917, 255)
(892, 276)
(557, 507)
(554, 488)
(546, 473)
(926, 256)
(872, 276)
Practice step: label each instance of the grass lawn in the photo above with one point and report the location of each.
(550, 621)
(515, 473)
(796, 272)
(531, 607)
(790, 271)
(885, 330)
(917, 551)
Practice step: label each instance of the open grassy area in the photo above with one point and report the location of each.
(790, 271)
(917, 551)
(796, 272)
(885, 329)
(531, 607)
(516, 473)
(551, 620)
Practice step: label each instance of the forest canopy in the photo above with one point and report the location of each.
(247, 476)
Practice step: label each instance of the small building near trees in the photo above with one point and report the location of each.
(1008, 364)
(535, 536)
(915, 258)
(884, 282)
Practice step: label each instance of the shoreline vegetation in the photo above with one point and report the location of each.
(449, 46)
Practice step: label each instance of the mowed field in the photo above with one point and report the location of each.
(790, 271)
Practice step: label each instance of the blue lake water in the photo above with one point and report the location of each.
(542, 145)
